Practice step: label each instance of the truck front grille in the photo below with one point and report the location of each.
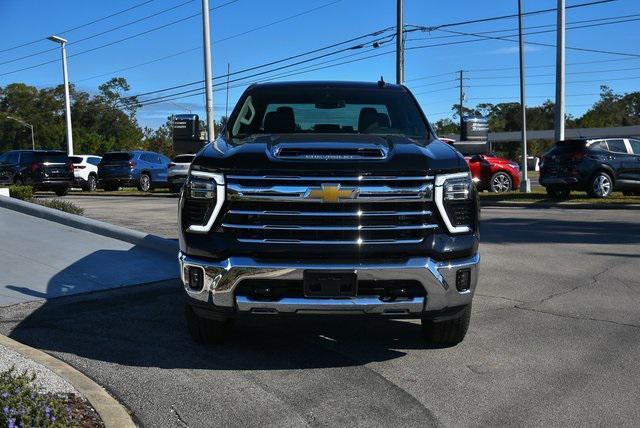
(360, 210)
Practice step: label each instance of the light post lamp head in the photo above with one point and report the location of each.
(57, 39)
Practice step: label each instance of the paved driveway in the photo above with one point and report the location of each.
(554, 340)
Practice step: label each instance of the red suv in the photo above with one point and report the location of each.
(494, 173)
(491, 172)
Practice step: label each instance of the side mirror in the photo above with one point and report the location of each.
(476, 158)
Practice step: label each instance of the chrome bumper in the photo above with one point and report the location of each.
(437, 278)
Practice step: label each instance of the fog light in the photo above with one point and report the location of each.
(196, 278)
(463, 279)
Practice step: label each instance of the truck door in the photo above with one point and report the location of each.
(618, 157)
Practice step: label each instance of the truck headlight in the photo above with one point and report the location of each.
(455, 202)
(201, 201)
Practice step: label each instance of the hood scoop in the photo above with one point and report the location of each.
(332, 151)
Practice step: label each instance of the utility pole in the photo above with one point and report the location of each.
(206, 34)
(560, 72)
(400, 43)
(460, 109)
(67, 101)
(226, 106)
(525, 185)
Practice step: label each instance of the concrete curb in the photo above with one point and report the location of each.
(564, 205)
(112, 413)
(101, 228)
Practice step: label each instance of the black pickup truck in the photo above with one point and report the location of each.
(329, 198)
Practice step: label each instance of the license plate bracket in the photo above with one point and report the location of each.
(330, 283)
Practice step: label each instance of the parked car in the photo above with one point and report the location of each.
(85, 171)
(42, 169)
(145, 170)
(178, 170)
(491, 172)
(329, 198)
(597, 166)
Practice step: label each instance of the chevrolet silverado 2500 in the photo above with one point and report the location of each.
(329, 198)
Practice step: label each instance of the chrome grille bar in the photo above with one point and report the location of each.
(336, 242)
(301, 193)
(333, 213)
(330, 178)
(336, 228)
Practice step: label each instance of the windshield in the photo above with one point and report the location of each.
(297, 110)
(116, 157)
(50, 157)
(183, 159)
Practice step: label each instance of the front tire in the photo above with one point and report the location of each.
(204, 330)
(18, 181)
(63, 191)
(144, 184)
(558, 194)
(600, 185)
(449, 332)
(500, 182)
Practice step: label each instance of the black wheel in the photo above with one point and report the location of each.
(18, 181)
(448, 332)
(500, 182)
(144, 184)
(600, 185)
(204, 330)
(91, 184)
(62, 191)
(557, 193)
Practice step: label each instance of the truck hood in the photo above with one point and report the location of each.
(332, 154)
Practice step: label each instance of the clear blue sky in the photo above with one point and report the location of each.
(331, 22)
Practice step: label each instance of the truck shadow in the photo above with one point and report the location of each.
(144, 326)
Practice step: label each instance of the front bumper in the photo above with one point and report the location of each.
(438, 279)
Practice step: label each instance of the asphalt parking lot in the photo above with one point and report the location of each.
(554, 339)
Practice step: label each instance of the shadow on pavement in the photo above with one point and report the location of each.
(569, 231)
(144, 326)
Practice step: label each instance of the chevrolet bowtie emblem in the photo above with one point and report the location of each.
(331, 193)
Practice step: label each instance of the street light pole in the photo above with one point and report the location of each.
(400, 42)
(560, 72)
(206, 34)
(525, 185)
(67, 100)
(28, 125)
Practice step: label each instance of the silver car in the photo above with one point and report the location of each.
(178, 170)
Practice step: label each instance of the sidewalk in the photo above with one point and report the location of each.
(41, 259)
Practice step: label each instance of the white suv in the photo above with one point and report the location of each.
(85, 171)
(178, 170)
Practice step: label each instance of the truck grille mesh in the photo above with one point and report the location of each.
(330, 210)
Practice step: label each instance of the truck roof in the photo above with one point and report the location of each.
(326, 84)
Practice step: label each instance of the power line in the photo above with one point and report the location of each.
(77, 27)
(553, 83)
(286, 59)
(287, 18)
(123, 39)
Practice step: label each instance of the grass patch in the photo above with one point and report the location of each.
(23, 405)
(61, 205)
(24, 193)
(539, 195)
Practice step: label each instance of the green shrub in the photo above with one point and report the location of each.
(24, 193)
(21, 404)
(57, 204)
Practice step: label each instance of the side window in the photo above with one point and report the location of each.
(617, 146)
(13, 158)
(94, 161)
(599, 145)
(146, 157)
(635, 146)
